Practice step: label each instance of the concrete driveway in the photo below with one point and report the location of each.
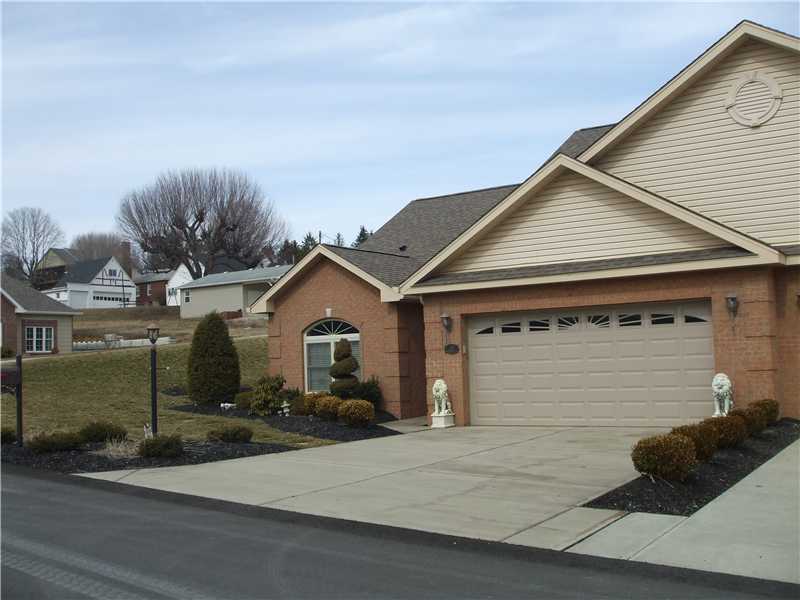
(515, 484)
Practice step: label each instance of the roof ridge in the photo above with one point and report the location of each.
(486, 189)
(370, 251)
(596, 127)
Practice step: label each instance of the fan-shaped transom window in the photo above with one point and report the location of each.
(332, 327)
(319, 342)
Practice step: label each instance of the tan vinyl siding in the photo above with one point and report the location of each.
(577, 219)
(693, 153)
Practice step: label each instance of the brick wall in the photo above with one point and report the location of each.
(758, 348)
(9, 317)
(158, 293)
(392, 347)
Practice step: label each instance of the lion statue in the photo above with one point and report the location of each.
(441, 400)
(722, 389)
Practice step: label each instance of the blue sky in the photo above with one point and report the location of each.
(342, 112)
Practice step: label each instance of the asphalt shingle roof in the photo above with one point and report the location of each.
(256, 275)
(426, 226)
(32, 300)
(154, 276)
(83, 271)
(582, 267)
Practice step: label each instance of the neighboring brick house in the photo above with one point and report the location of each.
(607, 288)
(32, 322)
(161, 287)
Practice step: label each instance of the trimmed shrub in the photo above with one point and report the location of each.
(231, 434)
(704, 436)
(243, 400)
(369, 390)
(8, 435)
(327, 407)
(267, 398)
(344, 382)
(669, 456)
(356, 413)
(95, 432)
(754, 418)
(732, 430)
(7, 352)
(161, 446)
(213, 365)
(57, 441)
(770, 408)
(310, 402)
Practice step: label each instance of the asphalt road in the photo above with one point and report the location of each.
(64, 537)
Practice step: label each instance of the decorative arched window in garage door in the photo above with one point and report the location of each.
(318, 343)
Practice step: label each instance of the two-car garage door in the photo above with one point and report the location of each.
(625, 365)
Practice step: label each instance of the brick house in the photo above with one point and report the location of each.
(607, 288)
(161, 287)
(32, 322)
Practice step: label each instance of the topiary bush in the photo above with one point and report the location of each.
(770, 409)
(356, 413)
(327, 408)
(161, 446)
(231, 434)
(704, 436)
(754, 418)
(213, 365)
(57, 441)
(732, 430)
(95, 432)
(267, 398)
(344, 382)
(369, 390)
(8, 435)
(669, 456)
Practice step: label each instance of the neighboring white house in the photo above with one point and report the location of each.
(98, 283)
(227, 292)
(161, 287)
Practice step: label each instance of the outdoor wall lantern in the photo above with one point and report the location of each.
(447, 322)
(732, 304)
(152, 335)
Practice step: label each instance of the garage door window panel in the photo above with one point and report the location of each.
(568, 323)
(513, 327)
(598, 321)
(539, 325)
(662, 318)
(630, 320)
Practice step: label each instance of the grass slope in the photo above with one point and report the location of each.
(66, 391)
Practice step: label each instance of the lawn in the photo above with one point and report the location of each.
(132, 323)
(66, 391)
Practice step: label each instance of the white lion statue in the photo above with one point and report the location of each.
(441, 400)
(722, 389)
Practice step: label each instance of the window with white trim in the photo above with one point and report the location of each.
(149, 290)
(187, 296)
(38, 339)
(318, 343)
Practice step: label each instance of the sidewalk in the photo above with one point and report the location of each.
(753, 529)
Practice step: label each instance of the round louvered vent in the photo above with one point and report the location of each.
(754, 99)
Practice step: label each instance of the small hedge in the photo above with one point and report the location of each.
(95, 432)
(771, 410)
(704, 436)
(231, 434)
(57, 441)
(267, 397)
(369, 390)
(243, 400)
(357, 413)
(161, 446)
(669, 456)
(8, 435)
(754, 418)
(732, 430)
(327, 408)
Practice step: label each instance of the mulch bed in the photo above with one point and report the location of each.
(706, 482)
(87, 461)
(304, 425)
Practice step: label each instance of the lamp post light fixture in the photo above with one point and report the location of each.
(447, 322)
(152, 335)
(732, 304)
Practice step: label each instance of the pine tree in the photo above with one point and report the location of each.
(344, 382)
(307, 245)
(213, 367)
(363, 236)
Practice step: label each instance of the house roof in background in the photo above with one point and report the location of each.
(154, 276)
(29, 300)
(65, 254)
(256, 275)
(223, 263)
(83, 271)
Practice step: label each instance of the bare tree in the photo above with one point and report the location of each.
(27, 234)
(88, 246)
(191, 215)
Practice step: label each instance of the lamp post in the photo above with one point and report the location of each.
(152, 335)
